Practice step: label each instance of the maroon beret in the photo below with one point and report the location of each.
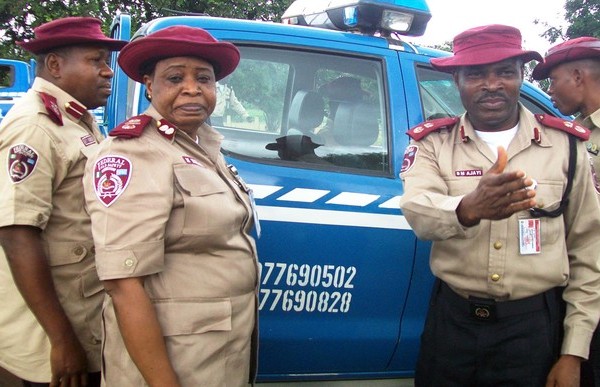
(178, 41)
(484, 45)
(69, 31)
(579, 48)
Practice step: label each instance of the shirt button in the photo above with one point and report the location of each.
(129, 262)
(495, 277)
(540, 203)
(498, 245)
(78, 250)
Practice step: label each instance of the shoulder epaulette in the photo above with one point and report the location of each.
(131, 128)
(51, 108)
(570, 127)
(424, 128)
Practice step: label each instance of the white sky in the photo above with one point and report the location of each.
(451, 17)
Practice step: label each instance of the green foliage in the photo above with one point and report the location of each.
(20, 17)
(582, 19)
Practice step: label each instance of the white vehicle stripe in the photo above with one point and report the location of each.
(392, 203)
(353, 199)
(303, 195)
(333, 218)
(261, 191)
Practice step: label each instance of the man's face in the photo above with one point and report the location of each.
(490, 93)
(564, 90)
(85, 74)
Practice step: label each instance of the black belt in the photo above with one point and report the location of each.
(484, 309)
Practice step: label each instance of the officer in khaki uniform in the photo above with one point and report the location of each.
(513, 220)
(44, 230)
(574, 71)
(171, 222)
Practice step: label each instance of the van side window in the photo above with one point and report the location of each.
(439, 94)
(306, 110)
(7, 76)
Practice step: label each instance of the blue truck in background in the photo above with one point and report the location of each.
(344, 283)
(15, 79)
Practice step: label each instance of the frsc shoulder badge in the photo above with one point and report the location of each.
(22, 160)
(423, 129)
(570, 127)
(111, 177)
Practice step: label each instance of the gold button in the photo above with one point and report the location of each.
(495, 277)
(40, 217)
(78, 250)
(498, 245)
(129, 262)
(540, 203)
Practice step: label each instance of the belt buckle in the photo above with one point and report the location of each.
(482, 309)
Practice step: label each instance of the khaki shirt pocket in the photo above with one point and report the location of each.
(548, 197)
(193, 316)
(462, 185)
(205, 200)
(64, 253)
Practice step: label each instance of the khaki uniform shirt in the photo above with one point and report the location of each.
(179, 218)
(485, 260)
(593, 145)
(41, 167)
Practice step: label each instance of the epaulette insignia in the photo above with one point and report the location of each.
(131, 128)
(567, 126)
(52, 108)
(75, 109)
(423, 129)
(166, 129)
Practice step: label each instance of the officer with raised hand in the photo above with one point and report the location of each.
(51, 297)
(574, 71)
(509, 200)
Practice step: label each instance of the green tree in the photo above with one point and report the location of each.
(582, 19)
(20, 17)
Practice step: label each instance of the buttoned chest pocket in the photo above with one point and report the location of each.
(462, 185)
(207, 200)
(548, 196)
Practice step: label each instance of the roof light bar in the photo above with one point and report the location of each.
(406, 17)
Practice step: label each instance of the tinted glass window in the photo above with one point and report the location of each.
(7, 76)
(304, 109)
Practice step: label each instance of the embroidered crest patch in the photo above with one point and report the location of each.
(22, 160)
(111, 176)
(410, 154)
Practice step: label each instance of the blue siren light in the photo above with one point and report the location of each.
(405, 17)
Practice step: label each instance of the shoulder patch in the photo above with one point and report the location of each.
(410, 155)
(131, 128)
(22, 160)
(570, 127)
(422, 130)
(111, 177)
(51, 108)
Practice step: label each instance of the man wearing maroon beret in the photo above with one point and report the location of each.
(508, 199)
(50, 295)
(574, 71)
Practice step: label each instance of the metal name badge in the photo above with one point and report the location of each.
(238, 178)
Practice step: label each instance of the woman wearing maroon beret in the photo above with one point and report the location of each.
(171, 223)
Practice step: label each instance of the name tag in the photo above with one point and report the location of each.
(530, 241)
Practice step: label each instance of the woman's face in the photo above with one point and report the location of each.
(183, 91)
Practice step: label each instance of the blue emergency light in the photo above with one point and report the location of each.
(405, 17)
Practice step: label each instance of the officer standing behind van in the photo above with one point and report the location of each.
(50, 305)
(574, 71)
(512, 220)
